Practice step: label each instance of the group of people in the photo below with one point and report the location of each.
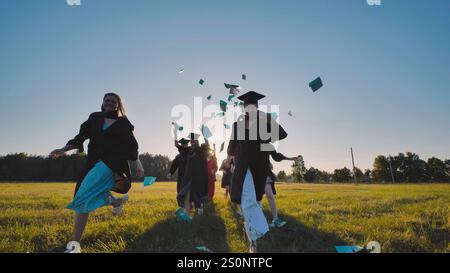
(197, 167)
(247, 171)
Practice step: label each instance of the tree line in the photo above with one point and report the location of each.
(402, 168)
(24, 167)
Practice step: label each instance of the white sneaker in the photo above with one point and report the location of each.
(119, 209)
(200, 212)
(73, 247)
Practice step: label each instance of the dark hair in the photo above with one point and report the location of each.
(121, 108)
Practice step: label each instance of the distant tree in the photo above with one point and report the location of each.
(381, 171)
(311, 175)
(154, 165)
(398, 162)
(413, 168)
(282, 176)
(298, 169)
(23, 167)
(359, 174)
(324, 176)
(366, 177)
(447, 169)
(342, 175)
(436, 170)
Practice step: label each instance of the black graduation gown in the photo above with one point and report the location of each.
(179, 163)
(114, 146)
(195, 179)
(248, 155)
(226, 176)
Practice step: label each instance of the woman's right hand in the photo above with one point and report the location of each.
(57, 153)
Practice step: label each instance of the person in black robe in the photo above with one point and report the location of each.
(111, 146)
(179, 164)
(194, 185)
(226, 167)
(250, 149)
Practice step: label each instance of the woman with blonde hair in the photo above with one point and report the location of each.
(111, 146)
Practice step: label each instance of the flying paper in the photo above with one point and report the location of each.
(206, 132)
(274, 115)
(223, 105)
(348, 249)
(316, 84)
(149, 180)
(204, 249)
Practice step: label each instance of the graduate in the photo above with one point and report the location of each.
(227, 170)
(270, 190)
(212, 170)
(179, 163)
(111, 146)
(249, 150)
(194, 185)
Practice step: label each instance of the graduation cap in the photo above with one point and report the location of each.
(149, 180)
(183, 141)
(209, 97)
(371, 247)
(223, 105)
(222, 146)
(194, 136)
(244, 77)
(348, 249)
(206, 132)
(316, 84)
(251, 97)
(201, 81)
(204, 249)
(234, 89)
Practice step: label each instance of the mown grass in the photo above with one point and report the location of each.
(403, 218)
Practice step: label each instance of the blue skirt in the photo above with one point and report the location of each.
(94, 191)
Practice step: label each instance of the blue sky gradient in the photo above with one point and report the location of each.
(386, 70)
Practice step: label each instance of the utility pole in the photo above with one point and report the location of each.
(353, 162)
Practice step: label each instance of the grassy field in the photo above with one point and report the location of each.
(403, 218)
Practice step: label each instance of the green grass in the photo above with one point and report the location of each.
(403, 218)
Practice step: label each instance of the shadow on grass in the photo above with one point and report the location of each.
(174, 236)
(294, 237)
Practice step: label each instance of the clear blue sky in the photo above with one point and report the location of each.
(386, 70)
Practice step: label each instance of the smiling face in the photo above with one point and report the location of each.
(110, 103)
